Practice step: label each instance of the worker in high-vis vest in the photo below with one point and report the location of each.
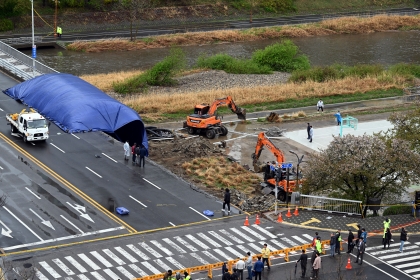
(59, 31)
(387, 224)
(318, 245)
(186, 276)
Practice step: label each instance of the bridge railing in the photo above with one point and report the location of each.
(331, 205)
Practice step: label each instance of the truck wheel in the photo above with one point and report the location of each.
(224, 131)
(13, 129)
(191, 130)
(281, 196)
(210, 134)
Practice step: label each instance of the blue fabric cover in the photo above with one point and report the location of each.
(75, 106)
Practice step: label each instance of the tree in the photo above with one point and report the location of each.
(359, 168)
(407, 127)
(133, 7)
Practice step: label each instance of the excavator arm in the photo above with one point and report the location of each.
(240, 112)
(264, 141)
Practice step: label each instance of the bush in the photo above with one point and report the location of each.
(406, 69)
(232, 65)
(217, 61)
(282, 57)
(363, 70)
(397, 210)
(6, 25)
(275, 6)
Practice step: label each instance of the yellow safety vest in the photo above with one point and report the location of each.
(59, 31)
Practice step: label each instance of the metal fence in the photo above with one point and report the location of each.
(331, 205)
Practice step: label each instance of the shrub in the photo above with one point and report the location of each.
(397, 210)
(406, 69)
(363, 70)
(6, 25)
(232, 65)
(276, 6)
(217, 61)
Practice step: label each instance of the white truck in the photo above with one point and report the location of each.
(31, 126)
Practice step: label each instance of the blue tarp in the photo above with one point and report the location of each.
(77, 106)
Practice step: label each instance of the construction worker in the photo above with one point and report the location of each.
(387, 224)
(186, 276)
(265, 256)
(318, 245)
(338, 241)
(59, 31)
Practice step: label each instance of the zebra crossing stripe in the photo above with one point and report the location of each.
(77, 265)
(162, 264)
(126, 254)
(243, 248)
(255, 247)
(198, 258)
(310, 238)
(301, 240)
(234, 238)
(215, 234)
(113, 257)
(281, 245)
(68, 278)
(416, 276)
(82, 277)
(407, 265)
(416, 252)
(138, 252)
(209, 240)
(269, 246)
(157, 244)
(185, 243)
(125, 272)
(50, 270)
(382, 246)
(111, 274)
(263, 230)
(234, 252)
(63, 267)
(210, 255)
(89, 262)
(150, 250)
(412, 270)
(392, 250)
(151, 268)
(241, 234)
(97, 276)
(221, 253)
(173, 245)
(198, 242)
(101, 259)
(291, 242)
(138, 270)
(403, 259)
(175, 262)
(257, 235)
(40, 275)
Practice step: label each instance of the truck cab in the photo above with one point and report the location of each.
(31, 125)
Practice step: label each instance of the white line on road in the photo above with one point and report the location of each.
(72, 224)
(137, 201)
(379, 259)
(1, 109)
(33, 144)
(14, 216)
(74, 135)
(1, 168)
(172, 224)
(57, 148)
(151, 184)
(109, 157)
(199, 213)
(37, 196)
(93, 172)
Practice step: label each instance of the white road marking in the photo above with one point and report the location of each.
(113, 257)
(185, 243)
(72, 224)
(243, 248)
(412, 270)
(77, 265)
(198, 242)
(33, 144)
(50, 270)
(40, 275)
(1, 168)
(255, 247)
(162, 264)
(151, 268)
(74, 135)
(125, 272)
(57, 148)
(63, 267)
(269, 246)
(211, 256)
(199, 213)
(209, 240)
(81, 210)
(44, 222)
(287, 240)
(90, 263)
(234, 238)
(383, 252)
(137, 201)
(301, 240)
(138, 270)
(6, 232)
(382, 246)
(151, 183)
(157, 244)
(126, 254)
(215, 234)
(37, 196)
(241, 234)
(111, 274)
(234, 252)
(263, 230)
(257, 235)
(281, 245)
(375, 266)
(173, 245)
(172, 224)
(407, 265)
(175, 262)
(93, 172)
(28, 228)
(310, 238)
(110, 157)
(198, 258)
(225, 257)
(101, 259)
(82, 277)
(403, 259)
(1, 109)
(150, 250)
(398, 255)
(138, 252)
(62, 238)
(97, 276)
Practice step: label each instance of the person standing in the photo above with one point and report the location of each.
(387, 237)
(226, 275)
(248, 264)
(350, 244)
(240, 266)
(59, 31)
(265, 252)
(318, 245)
(137, 151)
(226, 200)
(364, 236)
(234, 275)
(143, 154)
(320, 106)
(224, 267)
(338, 117)
(303, 262)
(133, 152)
(311, 134)
(186, 276)
(403, 238)
(360, 250)
(126, 150)
(316, 266)
(258, 268)
(313, 257)
(308, 128)
(338, 241)
(332, 245)
(359, 232)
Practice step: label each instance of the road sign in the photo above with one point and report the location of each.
(287, 165)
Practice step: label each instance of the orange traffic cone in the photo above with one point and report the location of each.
(280, 219)
(288, 215)
(348, 266)
(296, 213)
(246, 221)
(257, 220)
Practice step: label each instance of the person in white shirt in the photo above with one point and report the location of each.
(320, 105)
(240, 266)
(248, 264)
(126, 150)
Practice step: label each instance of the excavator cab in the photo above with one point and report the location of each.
(201, 111)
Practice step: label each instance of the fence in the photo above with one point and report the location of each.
(331, 205)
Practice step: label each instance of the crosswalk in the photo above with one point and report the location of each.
(407, 262)
(156, 256)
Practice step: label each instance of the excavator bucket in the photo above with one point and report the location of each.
(241, 113)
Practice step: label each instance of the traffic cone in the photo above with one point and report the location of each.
(288, 215)
(257, 220)
(280, 219)
(296, 213)
(348, 266)
(246, 221)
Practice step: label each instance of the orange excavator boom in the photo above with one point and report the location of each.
(240, 112)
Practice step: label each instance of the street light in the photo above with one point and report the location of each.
(297, 167)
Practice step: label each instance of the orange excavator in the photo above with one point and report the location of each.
(205, 120)
(273, 174)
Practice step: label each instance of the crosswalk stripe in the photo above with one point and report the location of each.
(175, 262)
(50, 270)
(126, 254)
(211, 256)
(151, 268)
(209, 240)
(101, 259)
(299, 239)
(416, 276)
(281, 245)
(97, 276)
(243, 235)
(403, 259)
(255, 247)
(82, 277)
(243, 248)
(215, 234)
(162, 264)
(310, 238)
(234, 252)
(125, 272)
(225, 257)
(150, 250)
(412, 270)
(407, 265)
(138, 252)
(77, 265)
(63, 267)
(269, 246)
(111, 274)
(198, 242)
(138, 270)
(157, 244)
(68, 278)
(185, 243)
(399, 255)
(173, 245)
(287, 240)
(88, 261)
(382, 246)
(392, 250)
(40, 275)
(234, 238)
(263, 230)
(198, 258)
(257, 235)
(113, 257)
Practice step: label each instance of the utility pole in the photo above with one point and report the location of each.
(55, 19)
(33, 40)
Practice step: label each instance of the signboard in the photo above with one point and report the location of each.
(287, 165)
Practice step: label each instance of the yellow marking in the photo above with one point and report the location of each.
(312, 220)
(354, 225)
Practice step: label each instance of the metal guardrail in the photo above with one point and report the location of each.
(21, 40)
(331, 205)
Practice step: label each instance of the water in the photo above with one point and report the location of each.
(385, 48)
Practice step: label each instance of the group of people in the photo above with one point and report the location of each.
(137, 153)
(169, 276)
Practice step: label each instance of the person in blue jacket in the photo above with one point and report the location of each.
(338, 116)
(258, 268)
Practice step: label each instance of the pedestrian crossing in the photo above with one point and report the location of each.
(128, 261)
(407, 261)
